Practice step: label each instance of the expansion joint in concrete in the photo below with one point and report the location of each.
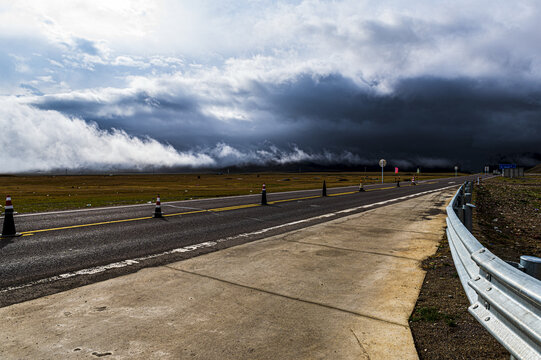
(398, 230)
(289, 297)
(354, 250)
(365, 353)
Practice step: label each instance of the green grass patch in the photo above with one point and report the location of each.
(431, 314)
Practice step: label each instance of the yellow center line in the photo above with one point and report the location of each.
(228, 208)
(186, 213)
(234, 207)
(32, 232)
(286, 200)
(344, 193)
(384, 188)
(85, 225)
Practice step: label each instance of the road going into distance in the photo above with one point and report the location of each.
(66, 249)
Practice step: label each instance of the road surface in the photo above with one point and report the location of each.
(66, 249)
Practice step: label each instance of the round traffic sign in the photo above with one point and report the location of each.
(382, 162)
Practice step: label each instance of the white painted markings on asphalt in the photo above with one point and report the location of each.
(207, 244)
(182, 207)
(116, 265)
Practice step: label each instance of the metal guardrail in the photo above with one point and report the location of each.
(504, 299)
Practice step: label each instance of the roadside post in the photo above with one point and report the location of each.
(456, 169)
(264, 195)
(531, 265)
(158, 208)
(8, 229)
(382, 163)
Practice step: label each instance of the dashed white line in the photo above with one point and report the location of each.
(116, 265)
(183, 207)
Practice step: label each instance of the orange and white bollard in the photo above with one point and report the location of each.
(264, 195)
(158, 209)
(8, 230)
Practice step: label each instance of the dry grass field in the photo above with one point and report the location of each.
(535, 170)
(58, 192)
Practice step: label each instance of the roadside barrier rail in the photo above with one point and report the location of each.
(503, 298)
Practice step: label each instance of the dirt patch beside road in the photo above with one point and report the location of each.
(508, 216)
(441, 326)
(507, 220)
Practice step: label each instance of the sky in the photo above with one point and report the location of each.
(133, 84)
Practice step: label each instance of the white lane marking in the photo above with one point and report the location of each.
(124, 263)
(205, 199)
(116, 265)
(183, 207)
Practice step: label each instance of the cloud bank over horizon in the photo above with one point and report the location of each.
(71, 143)
(142, 85)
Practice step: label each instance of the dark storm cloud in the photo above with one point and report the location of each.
(138, 112)
(424, 121)
(453, 119)
(87, 106)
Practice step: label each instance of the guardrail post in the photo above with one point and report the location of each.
(460, 205)
(461, 210)
(467, 197)
(468, 218)
(532, 265)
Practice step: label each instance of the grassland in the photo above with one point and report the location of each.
(46, 193)
(509, 216)
(535, 170)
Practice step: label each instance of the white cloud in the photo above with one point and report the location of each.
(227, 155)
(43, 140)
(371, 42)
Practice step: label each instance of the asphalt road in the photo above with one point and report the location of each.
(62, 250)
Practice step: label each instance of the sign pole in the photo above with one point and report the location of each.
(382, 163)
